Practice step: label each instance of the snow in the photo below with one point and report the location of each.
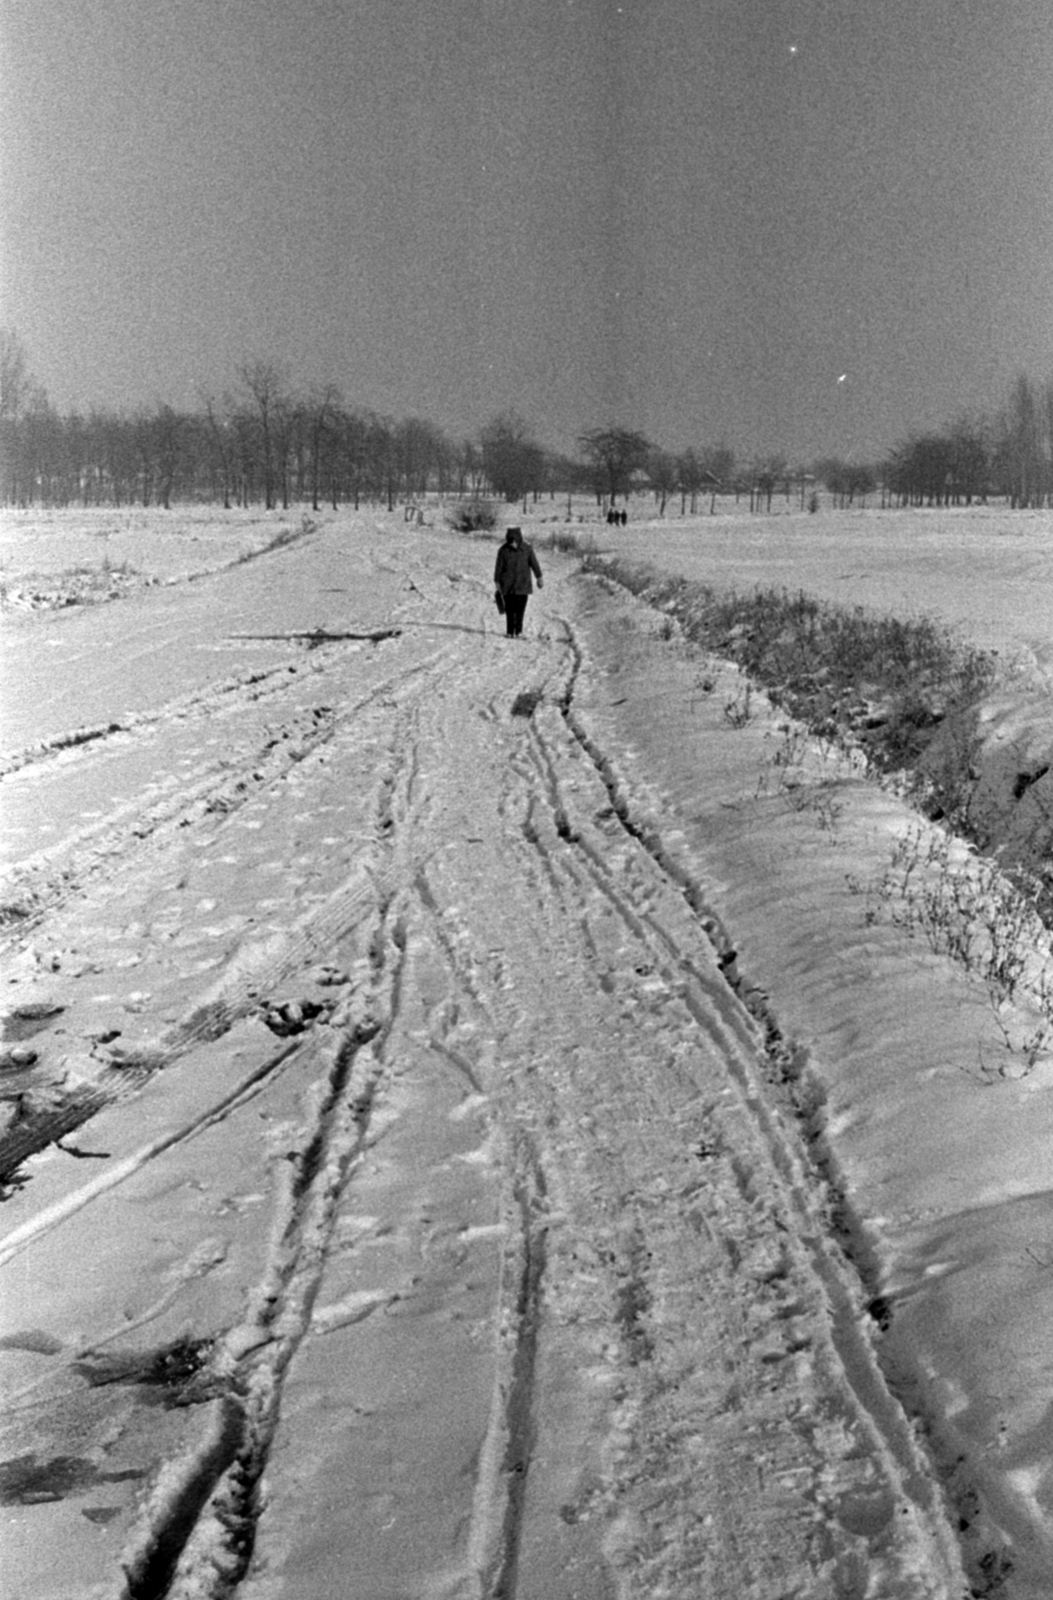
(983, 569)
(597, 1142)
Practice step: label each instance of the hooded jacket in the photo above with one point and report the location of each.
(513, 568)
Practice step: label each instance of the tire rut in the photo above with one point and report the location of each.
(516, 1413)
(176, 1556)
(686, 1396)
(208, 1555)
(41, 885)
(757, 1054)
(258, 968)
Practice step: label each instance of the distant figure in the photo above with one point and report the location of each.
(625, 519)
(512, 578)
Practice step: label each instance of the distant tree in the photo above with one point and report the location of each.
(845, 480)
(382, 459)
(39, 432)
(145, 455)
(1020, 459)
(801, 477)
(266, 384)
(1045, 424)
(934, 468)
(418, 446)
(248, 454)
(352, 456)
(767, 474)
(971, 458)
(469, 468)
(564, 475)
(921, 469)
(299, 448)
(895, 472)
(1045, 436)
(15, 381)
(53, 451)
(831, 472)
(513, 462)
(290, 446)
(171, 434)
(691, 476)
(861, 480)
(613, 454)
(16, 388)
(445, 463)
(719, 460)
(662, 475)
(321, 409)
(75, 478)
(219, 450)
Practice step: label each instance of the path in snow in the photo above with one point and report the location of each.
(435, 1229)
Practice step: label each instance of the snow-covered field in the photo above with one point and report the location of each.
(482, 1137)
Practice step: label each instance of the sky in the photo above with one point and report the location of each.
(796, 226)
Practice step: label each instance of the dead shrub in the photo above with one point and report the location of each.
(472, 516)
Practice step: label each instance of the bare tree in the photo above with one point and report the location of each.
(614, 454)
(719, 461)
(469, 468)
(322, 409)
(513, 461)
(14, 374)
(381, 459)
(445, 463)
(690, 477)
(662, 474)
(418, 446)
(352, 455)
(265, 384)
(221, 449)
(1045, 404)
(971, 458)
(1020, 456)
(767, 474)
(921, 469)
(15, 387)
(171, 432)
(286, 418)
(860, 481)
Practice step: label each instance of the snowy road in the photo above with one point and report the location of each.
(423, 1222)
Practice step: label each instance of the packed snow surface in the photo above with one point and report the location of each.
(469, 1128)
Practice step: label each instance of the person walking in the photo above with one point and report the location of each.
(515, 563)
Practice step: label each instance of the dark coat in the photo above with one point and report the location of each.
(513, 567)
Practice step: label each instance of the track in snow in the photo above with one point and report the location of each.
(544, 1298)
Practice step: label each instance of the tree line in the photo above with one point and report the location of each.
(1007, 454)
(268, 442)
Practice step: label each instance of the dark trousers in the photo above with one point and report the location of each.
(515, 605)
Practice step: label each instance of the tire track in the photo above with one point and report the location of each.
(517, 1419)
(507, 1452)
(264, 685)
(756, 1059)
(205, 1557)
(674, 1407)
(175, 1557)
(258, 967)
(45, 881)
(756, 1195)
